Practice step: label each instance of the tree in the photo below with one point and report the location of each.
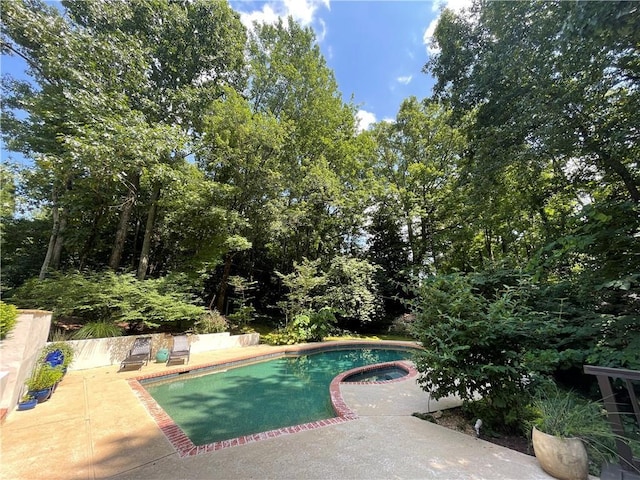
(119, 89)
(193, 49)
(558, 81)
(305, 285)
(551, 103)
(417, 167)
(80, 127)
(241, 150)
(352, 291)
(321, 160)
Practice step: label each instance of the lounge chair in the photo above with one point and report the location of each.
(181, 350)
(139, 354)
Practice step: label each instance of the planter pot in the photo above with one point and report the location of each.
(162, 355)
(28, 405)
(54, 358)
(563, 458)
(41, 395)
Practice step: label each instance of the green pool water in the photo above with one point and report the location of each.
(262, 396)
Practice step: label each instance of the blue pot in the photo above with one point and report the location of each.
(54, 358)
(28, 405)
(41, 395)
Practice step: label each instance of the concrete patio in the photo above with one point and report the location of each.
(94, 427)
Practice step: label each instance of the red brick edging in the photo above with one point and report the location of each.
(185, 447)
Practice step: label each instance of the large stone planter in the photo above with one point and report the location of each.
(563, 458)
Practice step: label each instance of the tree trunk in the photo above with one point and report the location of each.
(148, 230)
(623, 172)
(88, 246)
(411, 238)
(125, 214)
(487, 243)
(57, 248)
(55, 214)
(52, 239)
(222, 289)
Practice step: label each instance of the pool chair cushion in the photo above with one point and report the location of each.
(181, 350)
(139, 354)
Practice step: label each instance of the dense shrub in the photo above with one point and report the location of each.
(111, 298)
(8, 317)
(475, 346)
(305, 327)
(210, 322)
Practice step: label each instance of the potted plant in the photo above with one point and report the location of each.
(57, 353)
(27, 402)
(42, 380)
(570, 434)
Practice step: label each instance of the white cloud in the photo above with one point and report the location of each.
(428, 36)
(329, 52)
(364, 120)
(266, 15)
(323, 32)
(302, 11)
(405, 80)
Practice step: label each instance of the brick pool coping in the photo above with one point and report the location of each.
(186, 448)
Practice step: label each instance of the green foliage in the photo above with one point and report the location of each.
(44, 376)
(305, 286)
(242, 298)
(305, 327)
(475, 345)
(7, 194)
(98, 330)
(112, 299)
(351, 290)
(210, 322)
(8, 317)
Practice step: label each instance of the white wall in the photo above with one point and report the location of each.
(19, 352)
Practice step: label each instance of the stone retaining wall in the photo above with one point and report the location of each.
(102, 352)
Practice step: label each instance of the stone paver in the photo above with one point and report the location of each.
(94, 427)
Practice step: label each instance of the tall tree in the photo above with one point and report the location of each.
(321, 163)
(118, 89)
(242, 149)
(417, 165)
(559, 80)
(78, 94)
(193, 48)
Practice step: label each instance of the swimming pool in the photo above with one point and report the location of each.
(214, 406)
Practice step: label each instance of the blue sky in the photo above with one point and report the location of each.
(376, 48)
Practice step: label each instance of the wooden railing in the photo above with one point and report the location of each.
(629, 466)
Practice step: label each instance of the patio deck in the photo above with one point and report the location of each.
(94, 427)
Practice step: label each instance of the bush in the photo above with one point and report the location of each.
(475, 346)
(305, 327)
(8, 318)
(210, 322)
(98, 330)
(109, 298)
(44, 376)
